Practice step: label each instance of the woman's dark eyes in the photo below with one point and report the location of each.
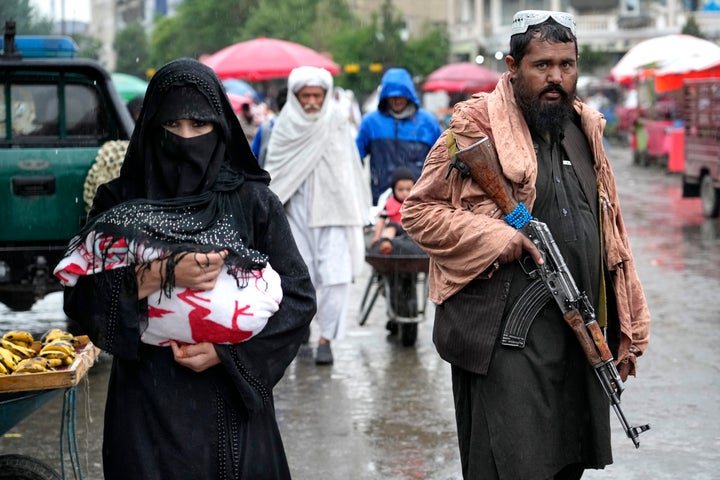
(174, 123)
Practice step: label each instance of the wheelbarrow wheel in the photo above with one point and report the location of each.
(408, 333)
(22, 467)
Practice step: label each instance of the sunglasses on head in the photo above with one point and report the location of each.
(526, 18)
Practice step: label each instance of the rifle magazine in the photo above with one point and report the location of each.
(523, 312)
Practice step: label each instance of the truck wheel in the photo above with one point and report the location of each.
(18, 301)
(22, 467)
(689, 190)
(709, 197)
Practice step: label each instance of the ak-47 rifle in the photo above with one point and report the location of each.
(552, 278)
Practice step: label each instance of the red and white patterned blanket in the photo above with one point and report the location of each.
(225, 314)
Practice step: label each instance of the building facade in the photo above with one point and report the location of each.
(482, 27)
(418, 14)
(477, 28)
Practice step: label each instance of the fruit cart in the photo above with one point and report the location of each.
(21, 395)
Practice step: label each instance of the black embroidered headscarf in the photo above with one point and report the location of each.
(180, 195)
(165, 95)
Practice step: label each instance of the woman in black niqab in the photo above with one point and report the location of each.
(188, 182)
(166, 417)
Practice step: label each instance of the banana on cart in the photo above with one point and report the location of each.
(8, 361)
(19, 350)
(33, 365)
(58, 334)
(58, 350)
(14, 347)
(20, 337)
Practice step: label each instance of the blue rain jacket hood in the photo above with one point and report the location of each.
(396, 82)
(393, 142)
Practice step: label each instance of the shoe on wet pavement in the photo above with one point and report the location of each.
(323, 355)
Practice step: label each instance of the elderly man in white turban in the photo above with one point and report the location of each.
(317, 173)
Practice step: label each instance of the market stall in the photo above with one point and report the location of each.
(656, 69)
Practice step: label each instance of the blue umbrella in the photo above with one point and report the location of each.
(240, 87)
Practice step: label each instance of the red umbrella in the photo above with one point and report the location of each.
(460, 77)
(265, 58)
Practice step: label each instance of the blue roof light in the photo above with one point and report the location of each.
(44, 46)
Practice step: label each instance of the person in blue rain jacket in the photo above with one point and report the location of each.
(398, 134)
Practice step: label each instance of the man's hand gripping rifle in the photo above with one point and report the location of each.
(553, 279)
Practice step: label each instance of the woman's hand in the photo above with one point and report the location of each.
(196, 271)
(199, 271)
(197, 357)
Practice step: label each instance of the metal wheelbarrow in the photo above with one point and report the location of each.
(397, 277)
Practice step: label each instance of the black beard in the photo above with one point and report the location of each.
(543, 117)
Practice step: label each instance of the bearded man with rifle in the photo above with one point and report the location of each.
(531, 270)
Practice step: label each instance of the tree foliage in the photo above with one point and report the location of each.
(88, 47)
(691, 27)
(131, 45)
(313, 23)
(382, 42)
(205, 26)
(428, 53)
(590, 60)
(28, 20)
(199, 27)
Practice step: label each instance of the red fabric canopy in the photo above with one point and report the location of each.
(460, 77)
(265, 58)
(674, 81)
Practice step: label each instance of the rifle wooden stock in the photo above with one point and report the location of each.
(482, 160)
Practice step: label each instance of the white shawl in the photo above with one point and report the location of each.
(319, 148)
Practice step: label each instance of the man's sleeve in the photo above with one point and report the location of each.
(362, 139)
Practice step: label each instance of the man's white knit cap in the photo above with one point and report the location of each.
(301, 77)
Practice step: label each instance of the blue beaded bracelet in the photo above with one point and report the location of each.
(519, 216)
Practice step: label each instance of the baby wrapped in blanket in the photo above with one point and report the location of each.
(245, 295)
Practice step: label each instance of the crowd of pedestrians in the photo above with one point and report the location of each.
(196, 206)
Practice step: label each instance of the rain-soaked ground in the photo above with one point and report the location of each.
(385, 411)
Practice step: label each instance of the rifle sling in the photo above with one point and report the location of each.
(523, 312)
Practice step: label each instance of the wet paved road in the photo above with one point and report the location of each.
(385, 411)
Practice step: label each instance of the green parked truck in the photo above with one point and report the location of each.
(56, 111)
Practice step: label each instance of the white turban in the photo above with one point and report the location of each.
(302, 77)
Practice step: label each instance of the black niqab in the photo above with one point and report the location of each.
(137, 176)
(187, 165)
